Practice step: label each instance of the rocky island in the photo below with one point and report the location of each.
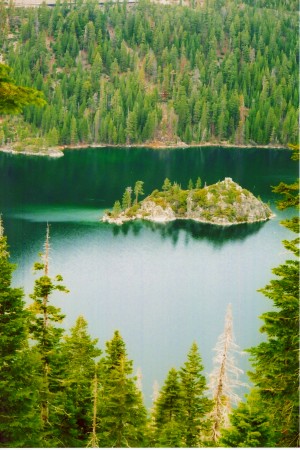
(223, 203)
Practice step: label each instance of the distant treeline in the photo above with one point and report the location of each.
(227, 71)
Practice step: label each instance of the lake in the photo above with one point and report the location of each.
(161, 286)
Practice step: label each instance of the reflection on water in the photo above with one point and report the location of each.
(214, 234)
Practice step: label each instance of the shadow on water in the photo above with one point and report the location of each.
(216, 235)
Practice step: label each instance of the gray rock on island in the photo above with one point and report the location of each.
(223, 203)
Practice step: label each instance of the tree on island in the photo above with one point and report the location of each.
(126, 199)
(167, 185)
(138, 190)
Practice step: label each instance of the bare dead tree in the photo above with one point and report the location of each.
(224, 378)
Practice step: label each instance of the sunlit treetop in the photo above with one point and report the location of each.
(13, 98)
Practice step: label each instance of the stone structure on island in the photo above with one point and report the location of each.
(223, 203)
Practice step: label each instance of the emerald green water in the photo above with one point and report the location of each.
(162, 286)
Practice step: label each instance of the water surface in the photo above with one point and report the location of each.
(162, 286)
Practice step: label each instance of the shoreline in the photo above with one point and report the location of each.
(121, 221)
(57, 152)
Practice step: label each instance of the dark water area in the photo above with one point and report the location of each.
(162, 285)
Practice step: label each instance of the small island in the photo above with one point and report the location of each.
(223, 203)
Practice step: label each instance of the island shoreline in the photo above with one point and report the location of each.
(58, 151)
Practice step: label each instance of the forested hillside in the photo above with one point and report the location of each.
(227, 71)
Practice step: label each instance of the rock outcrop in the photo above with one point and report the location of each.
(223, 203)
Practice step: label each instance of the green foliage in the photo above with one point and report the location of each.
(138, 190)
(167, 185)
(121, 414)
(128, 75)
(46, 336)
(168, 430)
(195, 405)
(250, 426)
(126, 199)
(116, 208)
(75, 370)
(275, 361)
(14, 98)
(19, 420)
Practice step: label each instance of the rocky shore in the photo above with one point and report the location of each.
(224, 203)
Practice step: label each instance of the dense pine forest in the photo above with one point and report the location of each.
(223, 71)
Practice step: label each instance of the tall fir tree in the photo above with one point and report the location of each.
(168, 430)
(121, 413)
(276, 361)
(250, 425)
(76, 371)
(195, 405)
(46, 335)
(19, 422)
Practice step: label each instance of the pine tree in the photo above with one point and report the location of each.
(167, 185)
(250, 425)
(138, 190)
(167, 413)
(44, 332)
(19, 422)
(74, 407)
(121, 413)
(13, 98)
(126, 199)
(275, 361)
(195, 405)
(198, 183)
(190, 184)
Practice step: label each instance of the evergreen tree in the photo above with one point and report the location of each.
(275, 361)
(121, 413)
(249, 426)
(167, 185)
(77, 355)
(167, 413)
(190, 184)
(46, 334)
(126, 200)
(19, 421)
(198, 183)
(138, 190)
(195, 406)
(13, 98)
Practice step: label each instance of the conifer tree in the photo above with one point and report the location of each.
(167, 413)
(13, 98)
(121, 413)
(250, 425)
(195, 405)
(74, 406)
(167, 185)
(275, 361)
(198, 183)
(44, 332)
(138, 190)
(19, 422)
(126, 199)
